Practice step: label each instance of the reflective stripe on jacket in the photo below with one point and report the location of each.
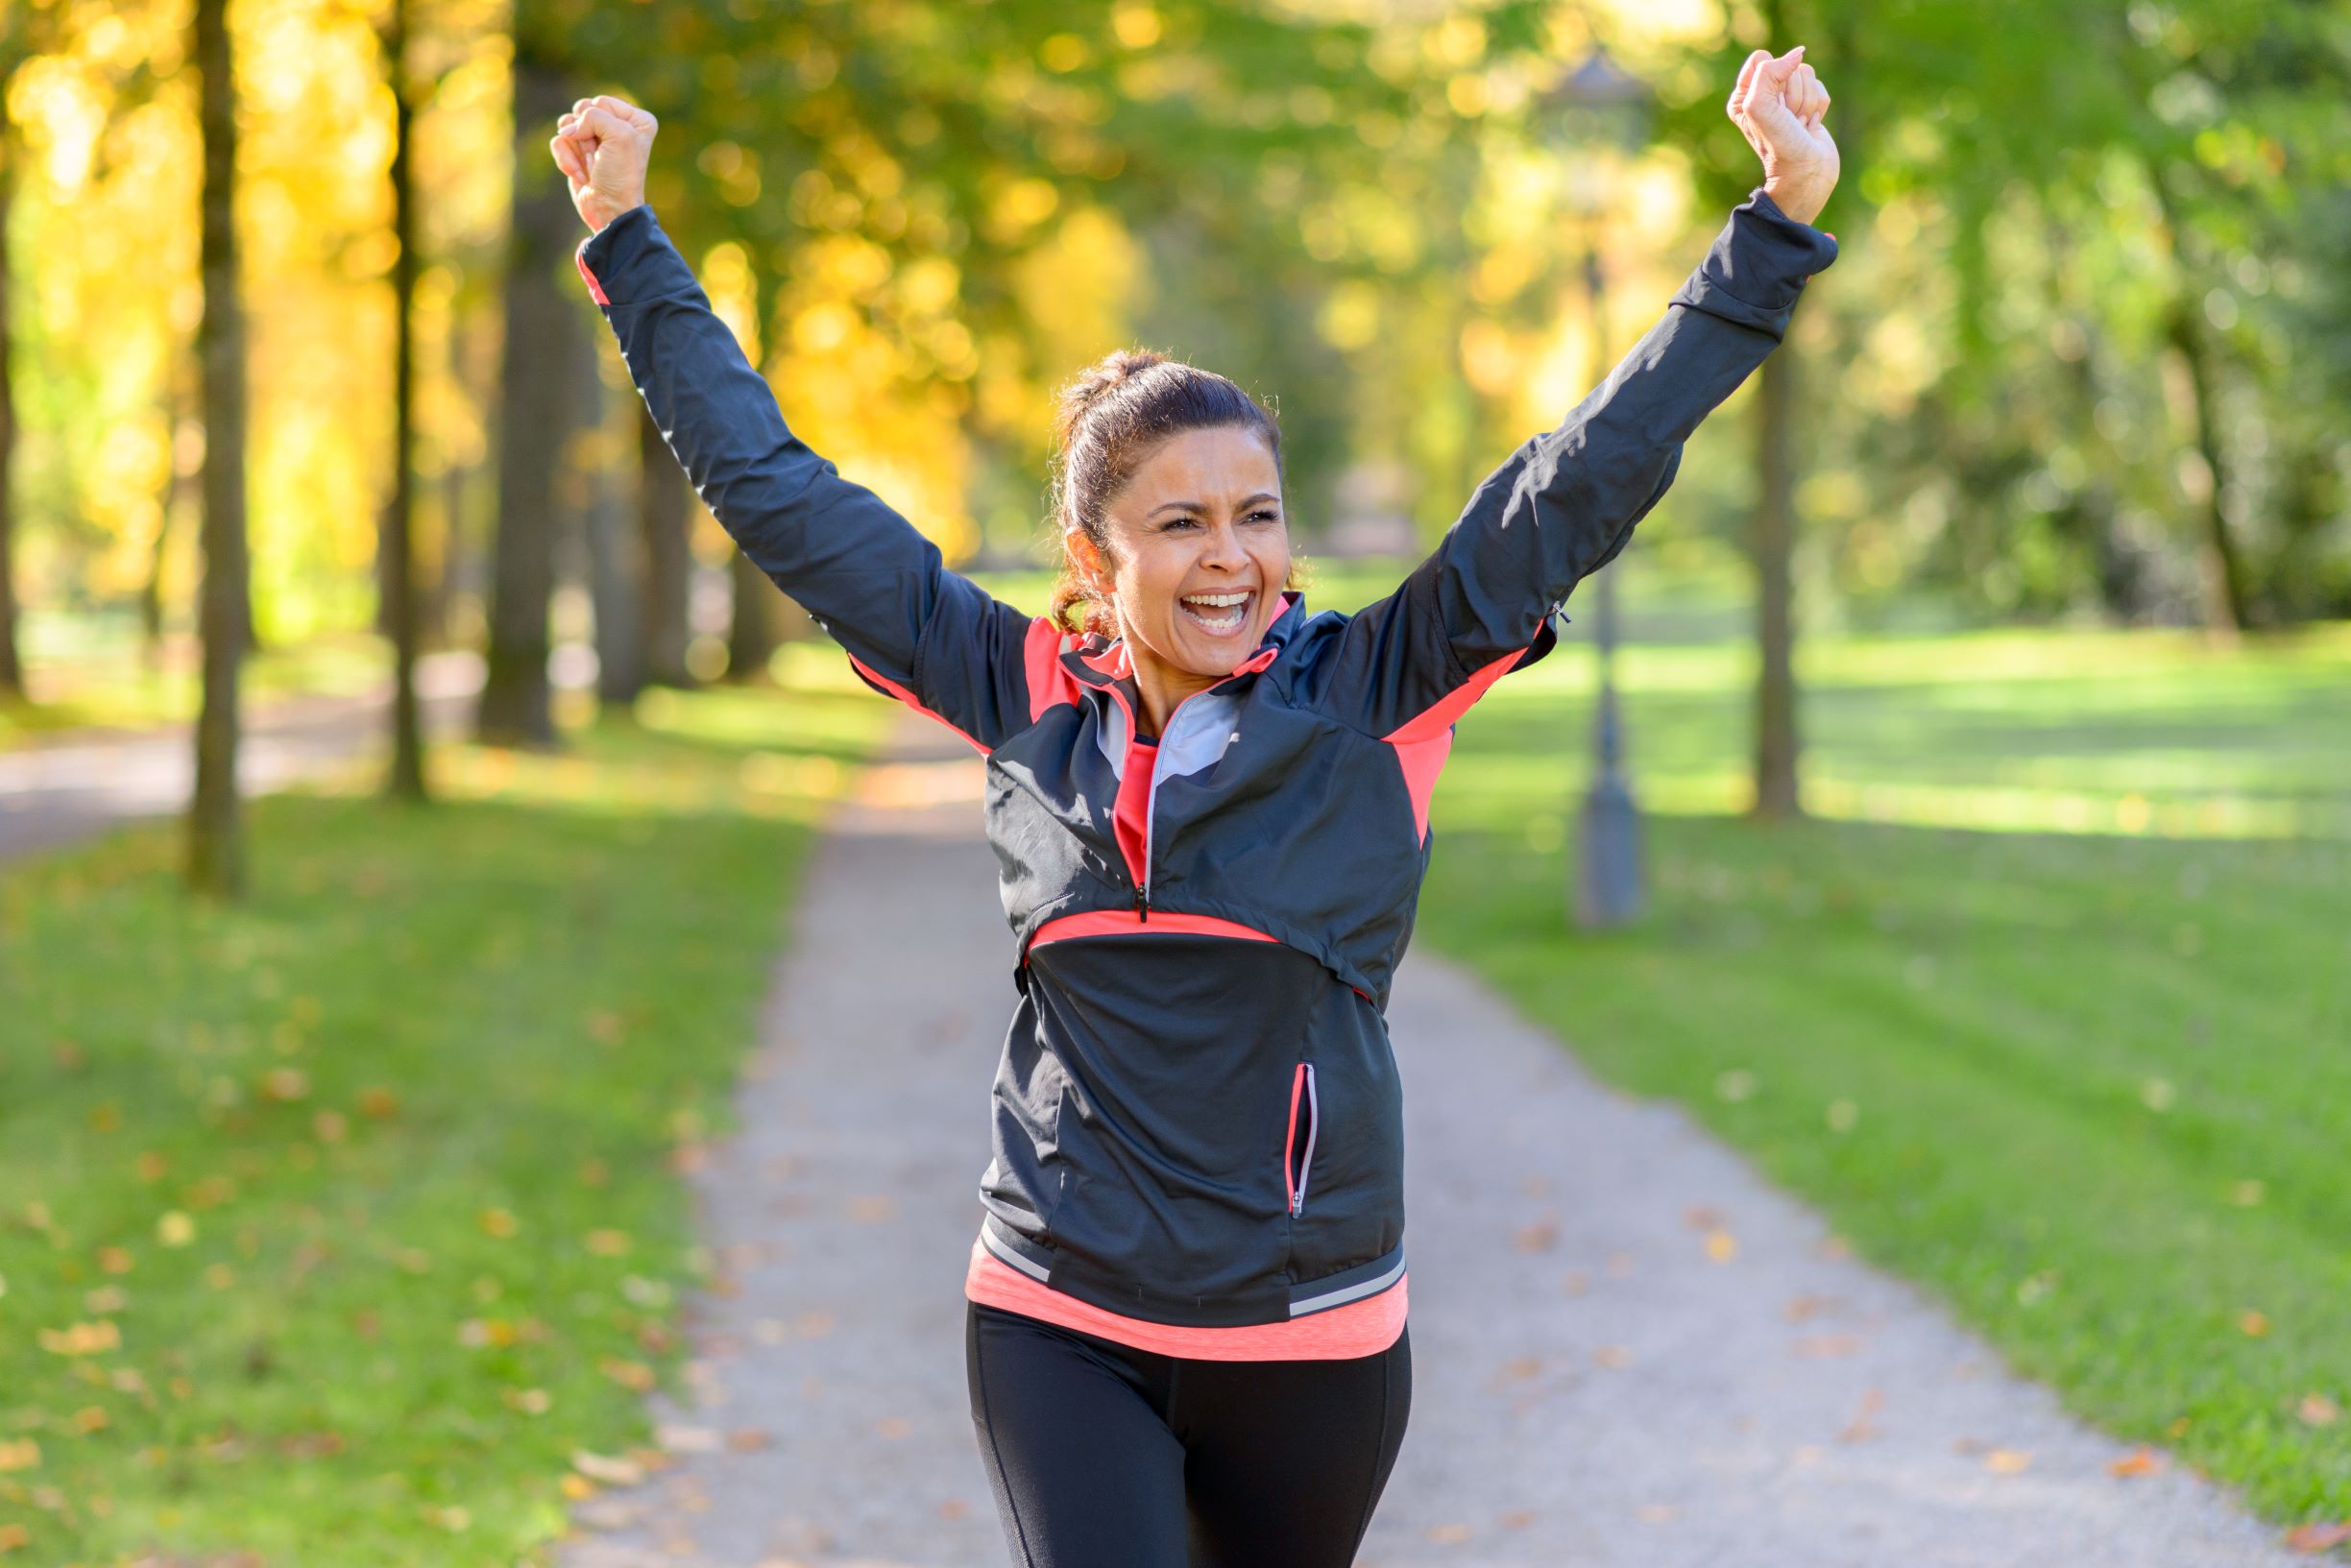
(1196, 1117)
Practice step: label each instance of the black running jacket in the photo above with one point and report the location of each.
(1196, 1115)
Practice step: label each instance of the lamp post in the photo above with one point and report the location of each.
(1596, 112)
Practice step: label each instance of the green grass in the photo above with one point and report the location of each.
(2089, 1087)
(336, 1224)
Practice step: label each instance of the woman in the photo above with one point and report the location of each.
(1184, 1328)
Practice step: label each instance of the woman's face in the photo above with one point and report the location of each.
(1201, 518)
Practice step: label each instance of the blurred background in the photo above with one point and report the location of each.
(1951, 804)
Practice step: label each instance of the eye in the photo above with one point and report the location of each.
(1175, 522)
(1267, 514)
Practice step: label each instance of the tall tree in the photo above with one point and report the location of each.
(536, 410)
(12, 666)
(664, 507)
(216, 848)
(397, 553)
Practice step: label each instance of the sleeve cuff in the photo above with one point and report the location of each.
(630, 259)
(1758, 266)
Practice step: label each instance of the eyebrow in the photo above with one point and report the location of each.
(1195, 506)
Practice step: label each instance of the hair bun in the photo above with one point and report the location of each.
(1100, 378)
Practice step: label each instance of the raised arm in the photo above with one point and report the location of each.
(1566, 503)
(875, 583)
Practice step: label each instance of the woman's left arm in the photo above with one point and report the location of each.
(1566, 501)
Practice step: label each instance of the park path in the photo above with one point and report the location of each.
(54, 791)
(1628, 1350)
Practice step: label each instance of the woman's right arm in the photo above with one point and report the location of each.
(875, 583)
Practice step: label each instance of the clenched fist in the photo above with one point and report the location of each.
(1778, 107)
(602, 147)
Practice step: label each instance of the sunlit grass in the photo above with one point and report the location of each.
(333, 1226)
(2086, 1077)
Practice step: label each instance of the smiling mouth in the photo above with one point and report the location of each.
(1219, 615)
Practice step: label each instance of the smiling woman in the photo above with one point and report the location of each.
(1173, 533)
(1210, 812)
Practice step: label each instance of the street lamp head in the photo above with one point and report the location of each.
(1598, 100)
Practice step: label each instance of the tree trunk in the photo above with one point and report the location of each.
(751, 629)
(616, 550)
(1776, 792)
(398, 552)
(12, 666)
(216, 851)
(535, 415)
(2219, 564)
(665, 505)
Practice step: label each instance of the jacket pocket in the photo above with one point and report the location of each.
(1298, 1149)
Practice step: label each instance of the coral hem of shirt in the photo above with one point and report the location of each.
(1360, 1328)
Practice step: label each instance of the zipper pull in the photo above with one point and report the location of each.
(1142, 903)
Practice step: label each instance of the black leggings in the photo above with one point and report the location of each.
(1102, 1456)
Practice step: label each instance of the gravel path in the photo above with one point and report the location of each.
(1629, 1352)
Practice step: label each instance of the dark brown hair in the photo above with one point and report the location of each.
(1115, 414)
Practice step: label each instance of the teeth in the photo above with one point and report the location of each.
(1219, 600)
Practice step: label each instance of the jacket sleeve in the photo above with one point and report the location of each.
(1566, 503)
(913, 628)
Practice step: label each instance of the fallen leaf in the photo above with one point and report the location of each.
(1612, 1356)
(636, 1375)
(748, 1439)
(1702, 1216)
(1517, 1519)
(685, 1439)
(174, 1228)
(2007, 1461)
(20, 1455)
(577, 1487)
(1656, 1513)
(13, 1536)
(1860, 1429)
(2318, 1538)
(1721, 1245)
(953, 1508)
(1448, 1535)
(82, 1338)
(285, 1083)
(2318, 1411)
(604, 1467)
(377, 1102)
(2254, 1323)
(1821, 1346)
(872, 1208)
(498, 1222)
(607, 1243)
(893, 1427)
(2142, 1461)
(1540, 1237)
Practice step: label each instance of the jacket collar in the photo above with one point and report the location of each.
(1099, 661)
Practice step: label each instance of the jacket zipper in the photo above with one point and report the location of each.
(1301, 1085)
(1151, 793)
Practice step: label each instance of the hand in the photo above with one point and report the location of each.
(1777, 105)
(602, 147)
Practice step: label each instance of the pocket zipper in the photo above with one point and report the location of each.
(1301, 1087)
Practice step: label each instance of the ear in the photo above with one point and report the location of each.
(1089, 560)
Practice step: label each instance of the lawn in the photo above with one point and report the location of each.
(2049, 1009)
(338, 1226)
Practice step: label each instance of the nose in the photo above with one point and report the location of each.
(1222, 549)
